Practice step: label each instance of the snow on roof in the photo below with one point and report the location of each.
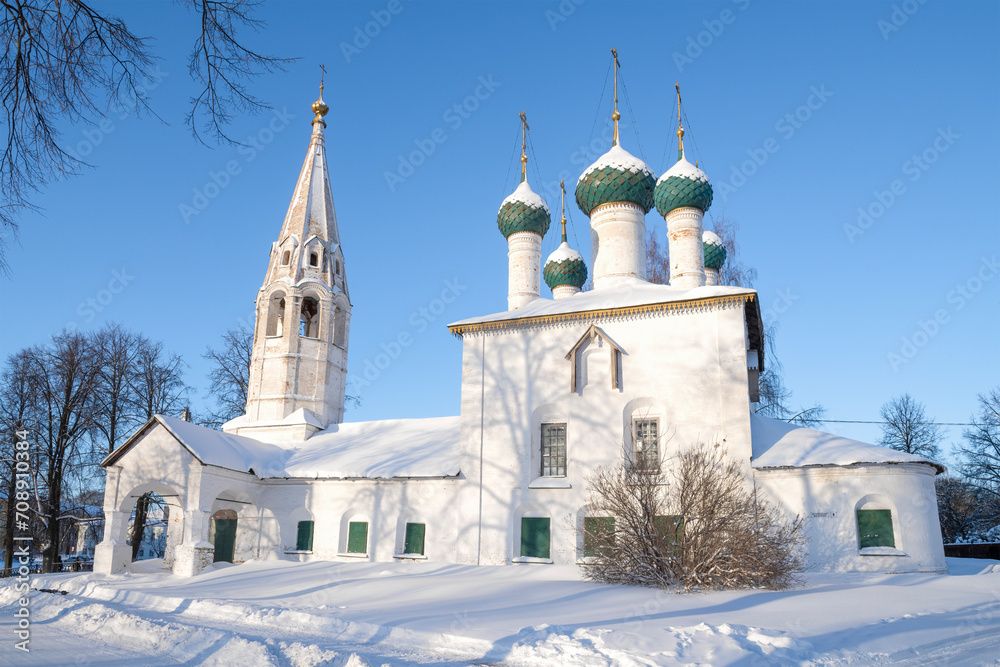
(378, 449)
(778, 444)
(623, 295)
(619, 158)
(684, 169)
(390, 448)
(564, 252)
(226, 450)
(525, 194)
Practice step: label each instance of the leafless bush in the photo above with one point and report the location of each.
(695, 522)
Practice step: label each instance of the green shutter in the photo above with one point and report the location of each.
(875, 528)
(357, 537)
(304, 542)
(535, 537)
(598, 532)
(670, 529)
(414, 540)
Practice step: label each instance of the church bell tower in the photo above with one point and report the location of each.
(298, 370)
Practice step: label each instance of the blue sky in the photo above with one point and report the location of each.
(856, 144)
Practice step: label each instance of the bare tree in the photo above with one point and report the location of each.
(67, 373)
(965, 510)
(158, 381)
(697, 523)
(17, 404)
(230, 374)
(981, 452)
(66, 62)
(657, 259)
(115, 410)
(222, 65)
(908, 429)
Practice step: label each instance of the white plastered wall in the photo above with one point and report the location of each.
(691, 364)
(828, 497)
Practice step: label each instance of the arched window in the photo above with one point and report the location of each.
(275, 314)
(336, 267)
(309, 318)
(286, 258)
(313, 259)
(339, 327)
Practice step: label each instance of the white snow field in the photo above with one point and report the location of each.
(371, 614)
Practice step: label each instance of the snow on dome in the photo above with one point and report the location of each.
(683, 185)
(616, 176)
(523, 193)
(562, 253)
(714, 250)
(565, 266)
(523, 211)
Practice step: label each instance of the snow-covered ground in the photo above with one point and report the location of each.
(359, 614)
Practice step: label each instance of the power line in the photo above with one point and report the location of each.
(861, 421)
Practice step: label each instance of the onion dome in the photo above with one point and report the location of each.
(523, 211)
(565, 266)
(683, 185)
(715, 251)
(617, 176)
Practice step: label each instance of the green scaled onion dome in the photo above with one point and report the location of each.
(616, 176)
(715, 252)
(523, 211)
(565, 266)
(683, 185)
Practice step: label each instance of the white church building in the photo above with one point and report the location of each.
(552, 388)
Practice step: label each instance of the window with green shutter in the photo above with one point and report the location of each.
(598, 534)
(670, 529)
(535, 537)
(875, 528)
(357, 537)
(413, 541)
(304, 540)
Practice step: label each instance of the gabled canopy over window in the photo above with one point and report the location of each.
(592, 335)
